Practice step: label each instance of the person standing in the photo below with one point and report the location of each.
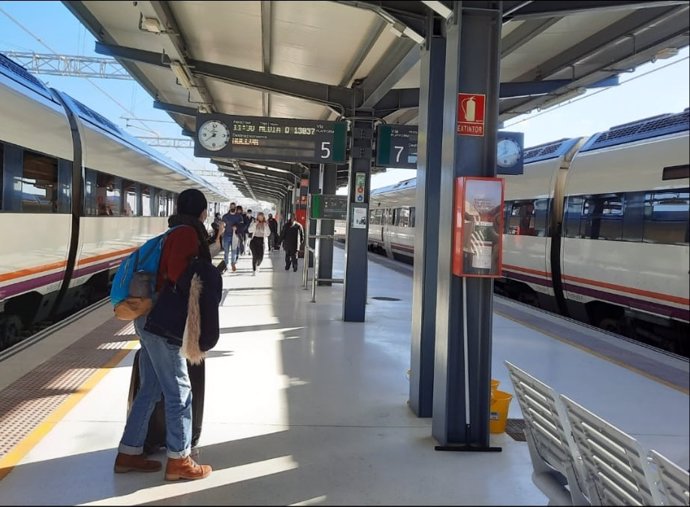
(291, 238)
(274, 243)
(260, 231)
(162, 367)
(233, 223)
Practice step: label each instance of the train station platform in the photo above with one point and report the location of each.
(302, 408)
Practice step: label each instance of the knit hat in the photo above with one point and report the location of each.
(191, 202)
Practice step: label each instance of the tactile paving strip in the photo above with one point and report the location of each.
(25, 403)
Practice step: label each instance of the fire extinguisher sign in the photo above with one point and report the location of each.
(471, 114)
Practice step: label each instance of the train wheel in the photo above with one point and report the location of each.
(10, 330)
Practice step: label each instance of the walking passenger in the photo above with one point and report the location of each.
(233, 221)
(162, 367)
(274, 243)
(291, 238)
(260, 232)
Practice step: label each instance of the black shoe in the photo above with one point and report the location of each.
(295, 268)
(287, 267)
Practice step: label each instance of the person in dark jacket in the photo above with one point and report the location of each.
(162, 366)
(273, 226)
(292, 238)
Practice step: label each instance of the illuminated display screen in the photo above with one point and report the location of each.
(396, 146)
(263, 138)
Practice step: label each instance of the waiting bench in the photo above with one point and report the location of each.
(580, 459)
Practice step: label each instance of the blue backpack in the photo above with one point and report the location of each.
(135, 280)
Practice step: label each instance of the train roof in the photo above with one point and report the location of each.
(552, 149)
(22, 76)
(410, 183)
(639, 130)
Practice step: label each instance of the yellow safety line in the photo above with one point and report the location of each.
(17, 453)
(594, 353)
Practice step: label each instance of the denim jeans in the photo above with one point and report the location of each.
(227, 247)
(162, 370)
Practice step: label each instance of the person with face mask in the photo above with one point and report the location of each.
(233, 225)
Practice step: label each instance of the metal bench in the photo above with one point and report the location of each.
(673, 482)
(614, 461)
(558, 470)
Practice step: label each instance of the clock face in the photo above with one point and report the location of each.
(508, 153)
(214, 135)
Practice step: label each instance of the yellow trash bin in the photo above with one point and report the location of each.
(498, 416)
(494, 386)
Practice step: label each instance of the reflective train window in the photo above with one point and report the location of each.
(130, 208)
(527, 218)
(666, 217)
(39, 183)
(108, 191)
(602, 217)
(162, 203)
(146, 201)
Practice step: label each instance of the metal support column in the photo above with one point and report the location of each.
(329, 187)
(356, 268)
(462, 366)
(426, 226)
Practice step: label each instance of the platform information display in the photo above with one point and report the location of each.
(329, 206)
(263, 138)
(396, 146)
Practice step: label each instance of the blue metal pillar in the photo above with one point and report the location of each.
(426, 225)
(462, 368)
(356, 269)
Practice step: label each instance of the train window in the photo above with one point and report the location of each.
(129, 201)
(602, 217)
(412, 216)
(108, 192)
(162, 203)
(172, 199)
(404, 217)
(39, 183)
(145, 201)
(678, 172)
(666, 217)
(573, 213)
(522, 219)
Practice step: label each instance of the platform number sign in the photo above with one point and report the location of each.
(396, 146)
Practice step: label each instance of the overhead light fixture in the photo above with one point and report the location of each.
(181, 75)
(439, 8)
(151, 25)
(665, 53)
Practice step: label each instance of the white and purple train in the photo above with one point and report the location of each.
(596, 228)
(77, 194)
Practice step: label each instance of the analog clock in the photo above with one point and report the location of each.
(214, 135)
(508, 153)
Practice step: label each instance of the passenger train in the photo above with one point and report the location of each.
(596, 229)
(77, 194)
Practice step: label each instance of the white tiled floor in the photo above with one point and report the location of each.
(304, 409)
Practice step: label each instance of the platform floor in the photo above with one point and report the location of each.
(304, 409)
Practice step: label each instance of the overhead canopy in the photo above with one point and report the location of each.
(326, 60)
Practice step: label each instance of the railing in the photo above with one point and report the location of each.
(580, 459)
(316, 251)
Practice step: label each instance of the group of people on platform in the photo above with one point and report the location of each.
(236, 229)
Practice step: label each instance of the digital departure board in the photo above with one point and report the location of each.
(263, 138)
(396, 146)
(329, 206)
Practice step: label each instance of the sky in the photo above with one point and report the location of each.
(49, 27)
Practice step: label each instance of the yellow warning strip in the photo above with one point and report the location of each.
(12, 458)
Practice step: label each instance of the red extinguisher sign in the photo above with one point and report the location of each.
(471, 114)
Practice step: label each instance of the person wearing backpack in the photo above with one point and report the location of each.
(162, 366)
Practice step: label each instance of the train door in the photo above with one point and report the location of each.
(387, 231)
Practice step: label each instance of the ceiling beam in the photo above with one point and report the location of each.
(174, 108)
(392, 67)
(524, 33)
(562, 8)
(266, 40)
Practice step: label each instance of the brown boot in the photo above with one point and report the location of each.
(135, 463)
(185, 468)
